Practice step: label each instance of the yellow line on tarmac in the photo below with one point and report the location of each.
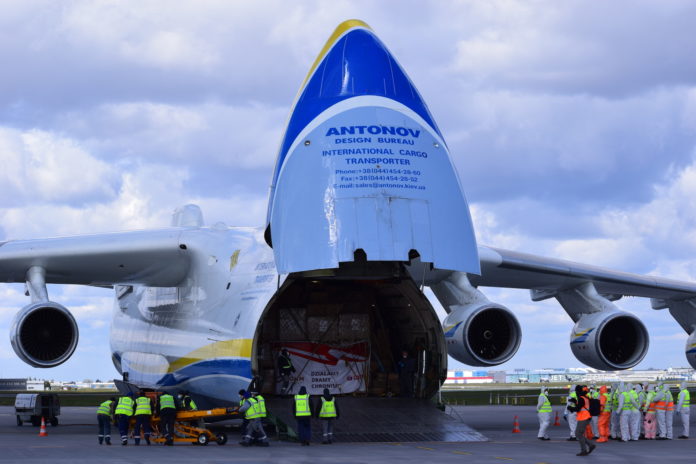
(461, 452)
(424, 448)
(502, 458)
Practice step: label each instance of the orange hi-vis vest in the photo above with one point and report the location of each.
(661, 405)
(670, 401)
(584, 412)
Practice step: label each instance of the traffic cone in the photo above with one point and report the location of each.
(516, 426)
(557, 423)
(42, 432)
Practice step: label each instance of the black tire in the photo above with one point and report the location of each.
(221, 438)
(203, 439)
(54, 421)
(19, 421)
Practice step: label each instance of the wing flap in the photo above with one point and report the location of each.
(153, 258)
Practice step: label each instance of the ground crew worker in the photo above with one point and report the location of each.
(105, 413)
(544, 414)
(302, 410)
(669, 412)
(582, 409)
(614, 425)
(660, 409)
(285, 370)
(253, 413)
(642, 396)
(187, 402)
(684, 409)
(124, 411)
(594, 422)
(625, 406)
(167, 412)
(569, 414)
(328, 412)
(143, 414)
(634, 425)
(604, 414)
(650, 421)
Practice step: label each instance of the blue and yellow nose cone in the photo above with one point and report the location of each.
(353, 62)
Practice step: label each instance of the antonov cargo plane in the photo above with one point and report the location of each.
(365, 210)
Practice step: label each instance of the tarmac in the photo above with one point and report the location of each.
(75, 440)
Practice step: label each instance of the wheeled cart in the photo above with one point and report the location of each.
(189, 426)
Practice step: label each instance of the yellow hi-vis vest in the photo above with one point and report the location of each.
(253, 411)
(167, 402)
(261, 404)
(687, 398)
(607, 402)
(192, 405)
(627, 405)
(125, 406)
(142, 406)
(328, 408)
(302, 406)
(105, 408)
(546, 407)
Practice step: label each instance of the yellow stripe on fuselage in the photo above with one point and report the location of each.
(342, 28)
(237, 348)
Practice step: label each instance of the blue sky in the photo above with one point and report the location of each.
(572, 125)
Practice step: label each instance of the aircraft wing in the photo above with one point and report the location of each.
(154, 258)
(505, 268)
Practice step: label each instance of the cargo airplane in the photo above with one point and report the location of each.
(365, 210)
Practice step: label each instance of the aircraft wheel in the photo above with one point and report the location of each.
(221, 438)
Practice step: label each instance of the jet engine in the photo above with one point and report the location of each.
(44, 334)
(609, 340)
(691, 349)
(482, 335)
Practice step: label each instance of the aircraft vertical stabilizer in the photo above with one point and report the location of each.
(363, 165)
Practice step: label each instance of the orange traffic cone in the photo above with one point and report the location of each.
(557, 423)
(516, 426)
(42, 432)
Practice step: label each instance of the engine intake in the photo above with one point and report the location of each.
(485, 335)
(609, 340)
(44, 334)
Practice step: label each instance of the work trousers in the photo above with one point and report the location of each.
(624, 424)
(572, 422)
(603, 425)
(327, 430)
(650, 425)
(580, 435)
(594, 422)
(544, 422)
(635, 424)
(304, 429)
(661, 425)
(255, 430)
(104, 422)
(142, 421)
(669, 421)
(614, 428)
(123, 423)
(684, 413)
(167, 418)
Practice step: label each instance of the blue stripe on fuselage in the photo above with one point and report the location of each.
(229, 367)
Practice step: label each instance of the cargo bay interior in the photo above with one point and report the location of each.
(388, 313)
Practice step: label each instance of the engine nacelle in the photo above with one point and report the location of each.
(482, 335)
(44, 334)
(609, 340)
(691, 349)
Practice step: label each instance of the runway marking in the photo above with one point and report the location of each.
(461, 452)
(424, 448)
(502, 458)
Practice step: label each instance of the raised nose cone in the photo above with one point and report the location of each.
(363, 167)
